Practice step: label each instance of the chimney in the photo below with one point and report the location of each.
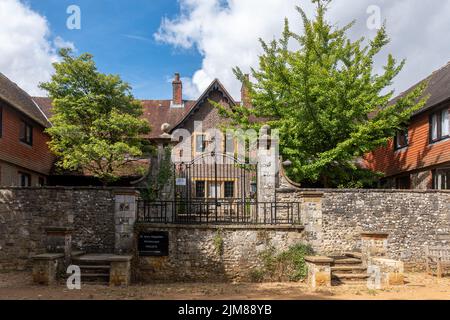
(177, 91)
(245, 98)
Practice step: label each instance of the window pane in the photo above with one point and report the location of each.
(229, 144)
(212, 190)
(401, 139)
(200, 143)
(229, 189)
(200, 189)
(434, 127)
(445, 123)
(22, 131)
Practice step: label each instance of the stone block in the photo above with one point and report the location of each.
(46, 268)
(120, 273)
(319, 271)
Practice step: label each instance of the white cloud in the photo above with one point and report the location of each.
(26, 50)
(226, 33)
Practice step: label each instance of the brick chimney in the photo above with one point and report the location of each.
(177, 91)
(245, 98)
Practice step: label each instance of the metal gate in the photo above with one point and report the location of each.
(214, 187)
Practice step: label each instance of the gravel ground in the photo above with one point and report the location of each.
(18, 285)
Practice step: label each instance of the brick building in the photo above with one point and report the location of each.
(419, 157)
(25, 159)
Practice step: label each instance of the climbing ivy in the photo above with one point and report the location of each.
(155, 184)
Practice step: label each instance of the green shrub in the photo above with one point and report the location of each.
(288, 265)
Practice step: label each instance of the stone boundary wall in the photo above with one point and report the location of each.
(194, 254)
(335, 219)
(25, 212)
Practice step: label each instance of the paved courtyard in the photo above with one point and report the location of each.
(419, 286)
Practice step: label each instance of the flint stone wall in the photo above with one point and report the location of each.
(335, 219)
(25, 212)
(194, 254)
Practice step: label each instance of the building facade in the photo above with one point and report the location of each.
(419, 157)
(25, 159)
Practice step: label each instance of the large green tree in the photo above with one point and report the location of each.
(324, 96)
(96, 124)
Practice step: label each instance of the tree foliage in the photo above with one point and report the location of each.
(326, 99)
(96, 124)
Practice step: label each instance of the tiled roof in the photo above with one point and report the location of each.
(438, 88)
(20, 100)
(156, 112)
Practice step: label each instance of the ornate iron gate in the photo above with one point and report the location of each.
(214, 186)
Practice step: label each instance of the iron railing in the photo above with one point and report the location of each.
(219, 212)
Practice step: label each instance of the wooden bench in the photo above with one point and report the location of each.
(438, 257)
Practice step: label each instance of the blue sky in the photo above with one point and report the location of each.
(147, 41)
(121, 39)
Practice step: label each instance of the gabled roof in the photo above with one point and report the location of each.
(20, 100)
(215, 85)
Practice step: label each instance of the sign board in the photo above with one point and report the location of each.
(153, 244)
(181, 181)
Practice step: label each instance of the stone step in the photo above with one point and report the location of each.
(350, 276)
(349, 269)
(95, 274)
(356, 255)
(346, 261)
(95, 266)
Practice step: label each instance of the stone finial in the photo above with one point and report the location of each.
(287, 163)
(165, 127)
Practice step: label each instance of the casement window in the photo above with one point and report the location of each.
(229, 189)
(200, 143)
(441, 179)
(26, 133)
(439, 125)
(229, 144)
(24, 179)
(199, 189)
(401, 139)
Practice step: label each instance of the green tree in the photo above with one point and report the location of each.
(96, 124)
(328, 103)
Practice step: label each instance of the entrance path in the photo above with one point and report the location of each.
(18, 285)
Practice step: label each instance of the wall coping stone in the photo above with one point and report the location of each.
(98, 188)
(319, 259)
(324, 191)
(49, 256)
(224, 227)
